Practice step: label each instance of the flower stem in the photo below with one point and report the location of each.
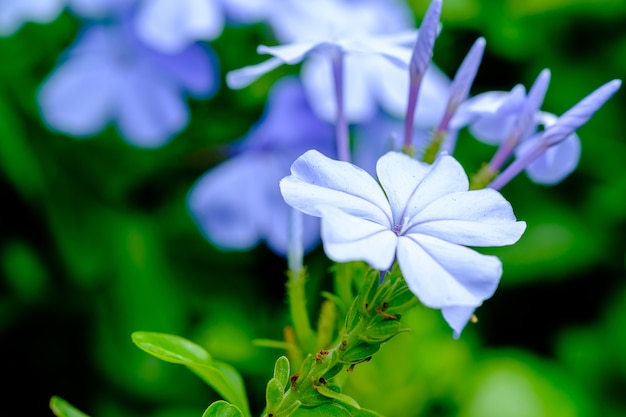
(341, 124)
(296, 295)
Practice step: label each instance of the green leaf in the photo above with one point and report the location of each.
(62, 408)
(366, 413)
(274, 394)
(281, 370)
(172, 348)
(221, 376)
(342, 398)
(326, 410)
(222, 409)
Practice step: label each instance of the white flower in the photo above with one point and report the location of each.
(423, 216)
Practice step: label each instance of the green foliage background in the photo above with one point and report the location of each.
(96, 243)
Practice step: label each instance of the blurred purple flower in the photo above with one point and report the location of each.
(14, 13)
(374, 38)
(238, 204)
(109, 76)
(100, 9)
(171, 26)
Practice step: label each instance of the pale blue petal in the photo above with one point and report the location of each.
(317, 180)
(289, 54)
(245, 76)
(555, 163)
(391, 85)
(224, 203)
(400, 175)
(445, 176)
(457, 317)
(195, 68)
(359, 104)
(13, 13)
(442, 274)
(247, 11)
(149, 111)
(349, 238)
(171, 26)
(474, 218)
(492, 114)
(78, 98)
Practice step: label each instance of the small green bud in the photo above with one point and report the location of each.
(274, 394)
(281, 370)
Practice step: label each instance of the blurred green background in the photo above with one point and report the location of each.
(96, 243)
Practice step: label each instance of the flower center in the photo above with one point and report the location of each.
(397, 228)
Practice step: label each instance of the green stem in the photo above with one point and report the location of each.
(296, 294)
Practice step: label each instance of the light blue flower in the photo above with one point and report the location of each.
(499, 118)
(109, 76)
(373, 38)
(555, 141)
(238, 204)
(422, 215)
(171, 26)
(14, 13)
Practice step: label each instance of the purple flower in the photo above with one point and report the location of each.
(14, 13)
(109, 76)
(422, 215)
(555, 141)
(512, 120)
(238, 204)
(100, 9)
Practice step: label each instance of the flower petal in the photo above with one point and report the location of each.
(556, 163)
(245, 76)
(442, 274)
(290, 53)
(317, 180)
(474, 218)
(359, 104)
(222, 203)
(149, 111)
(446, 175)
(457, 317)
(399, 174)
(77, 98)
(172, 26)
(349, 238)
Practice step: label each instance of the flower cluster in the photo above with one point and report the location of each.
(365, 68)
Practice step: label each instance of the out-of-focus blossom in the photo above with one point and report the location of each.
(238, 204)
(171, 26)
(100, 9)
(14, 13)
(379, 135)
(373, 38)
(422, 215)
(109, 76)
